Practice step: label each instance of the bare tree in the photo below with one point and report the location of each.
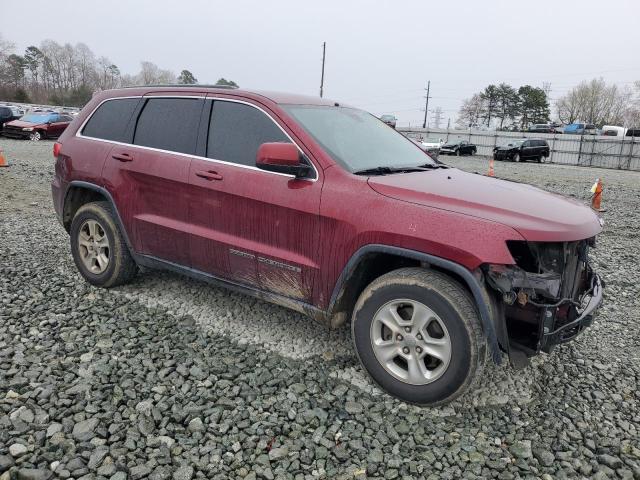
(470, 112)
(151, 74)
(594, 102)
(631, 115)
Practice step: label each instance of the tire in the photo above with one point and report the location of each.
(516, 157)
(473, 152)
(458, 152)
(94, 225)
(36, 136)
(452, 311)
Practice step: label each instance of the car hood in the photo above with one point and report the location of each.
(536, 214)
(449, 145)
(506, 147)
(431, 144)
(22, 124)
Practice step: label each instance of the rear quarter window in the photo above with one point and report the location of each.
(169, 124)
(109, 121)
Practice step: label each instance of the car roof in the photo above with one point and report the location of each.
(281, 98)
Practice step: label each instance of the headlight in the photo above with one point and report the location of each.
(27, 129)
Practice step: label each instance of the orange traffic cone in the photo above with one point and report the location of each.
(596, 199)
(491, 167)
(3, 159)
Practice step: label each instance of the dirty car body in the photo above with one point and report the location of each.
(316, 211)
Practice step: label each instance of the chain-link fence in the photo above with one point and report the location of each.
(585, 150)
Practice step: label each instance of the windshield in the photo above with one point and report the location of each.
(356, 139)
(37, 117)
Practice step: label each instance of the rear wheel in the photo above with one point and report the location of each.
(98, 247)
(417, 334)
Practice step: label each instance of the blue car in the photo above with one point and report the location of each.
(581, 129)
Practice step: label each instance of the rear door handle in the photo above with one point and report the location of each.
(123, 157)
(209, 175)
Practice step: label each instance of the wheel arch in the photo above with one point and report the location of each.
(79, 193)
(373, 260)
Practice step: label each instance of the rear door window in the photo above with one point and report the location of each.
(169, 124)
(236, 130)
(109, 121)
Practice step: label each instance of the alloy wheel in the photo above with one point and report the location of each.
(93, 246)
(410, 341)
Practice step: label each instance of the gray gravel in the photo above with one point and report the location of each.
(169, 378)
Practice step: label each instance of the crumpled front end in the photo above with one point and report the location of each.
(549, 297)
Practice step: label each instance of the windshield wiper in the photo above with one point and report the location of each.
(389, 170)
(433, 166)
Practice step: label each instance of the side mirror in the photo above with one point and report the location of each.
(282, 158)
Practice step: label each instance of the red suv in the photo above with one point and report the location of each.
(322, 208)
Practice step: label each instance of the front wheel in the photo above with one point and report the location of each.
(516, 157)
(458, 152)
(35, 136)
(417, 334)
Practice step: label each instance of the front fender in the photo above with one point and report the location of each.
(473, 281)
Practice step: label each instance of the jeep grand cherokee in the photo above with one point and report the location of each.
(322, 208)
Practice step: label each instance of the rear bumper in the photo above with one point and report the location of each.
(57, 192)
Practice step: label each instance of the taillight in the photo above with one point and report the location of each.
(56, 149)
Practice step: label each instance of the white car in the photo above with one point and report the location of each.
(432, 145)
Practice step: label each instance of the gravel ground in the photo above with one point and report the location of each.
(172, 378)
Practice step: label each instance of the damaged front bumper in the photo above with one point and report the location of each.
(548, 298)
(554, 335)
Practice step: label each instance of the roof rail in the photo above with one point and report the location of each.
(173, 85)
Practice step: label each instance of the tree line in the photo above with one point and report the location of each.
(505, 108)
(65, 74)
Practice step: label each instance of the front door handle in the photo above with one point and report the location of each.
(209, 175)
(123, 157)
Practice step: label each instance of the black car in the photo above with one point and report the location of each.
(458, 148)
(524, 149)
(6, 115)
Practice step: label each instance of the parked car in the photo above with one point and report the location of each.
(429, 145)
(6, 115)
(522, 150)
(389, 120)
(432, 146)
(581, 129)
(543, 128)
(613, 131)
(461, 147)
(323, 209)
(37, 126)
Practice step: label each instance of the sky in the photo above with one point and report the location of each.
(380, 54)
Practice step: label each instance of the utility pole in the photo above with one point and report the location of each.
(324, 48)
(426, 107)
